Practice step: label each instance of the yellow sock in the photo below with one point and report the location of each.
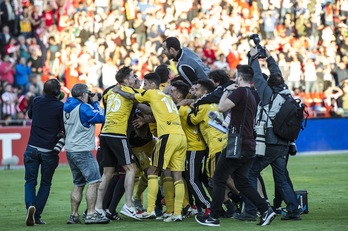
(179, 196)
(152, 192)
(186, 197)
(135, 190)
(168, 188)
(142, 185)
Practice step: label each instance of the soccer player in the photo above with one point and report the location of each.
(170, 149)
(114, 143)
(214, 139)
(196, 148)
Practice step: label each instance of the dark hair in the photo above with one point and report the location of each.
(52, 87)
(123, 73)
(172, 42)
(153, 78)
(163, 71)
(275, 80)
(219, 76)
(206, 84)
(182, 87)
(246, 72)
(179, 78)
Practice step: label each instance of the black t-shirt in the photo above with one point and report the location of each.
(242, 97)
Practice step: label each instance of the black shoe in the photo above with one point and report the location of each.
(293, 217)
(112, 216)
(29, 220)
(73, 220)
(244, 217)
(186, 212)
(279, 210)
(267, 217)
(207, 220)
(40, 222)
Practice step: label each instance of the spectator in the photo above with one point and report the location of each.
(24, 23)
(22, 75)
(9, 100)
(5, 38)
(53, 48)
(8, 15)
(7, 70)
(23, 50)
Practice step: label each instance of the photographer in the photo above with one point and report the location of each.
(276, 148)
(79, 122)
(239, 101)
(46, 113)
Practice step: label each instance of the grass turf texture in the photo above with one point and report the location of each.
(324, 176)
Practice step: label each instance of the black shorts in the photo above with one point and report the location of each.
(116, 150)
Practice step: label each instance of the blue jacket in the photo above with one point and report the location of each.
(46, 113)
(89, 114)
(22, 74)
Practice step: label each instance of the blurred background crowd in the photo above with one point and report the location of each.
(89, 40)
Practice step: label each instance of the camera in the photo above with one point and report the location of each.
(216, 122)
(292, 149)
(260, 138)
(91, 95)
(61, 142)
(260, 50)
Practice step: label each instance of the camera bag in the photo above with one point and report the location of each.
(288, 121)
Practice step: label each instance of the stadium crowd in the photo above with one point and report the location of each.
(85, 41)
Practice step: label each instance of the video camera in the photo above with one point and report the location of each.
(260, 50)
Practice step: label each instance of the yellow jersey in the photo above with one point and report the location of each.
(195, 141)
(215, 139)
(117, 111)
(164, 110)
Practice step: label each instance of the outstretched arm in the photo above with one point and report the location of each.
(126, 95)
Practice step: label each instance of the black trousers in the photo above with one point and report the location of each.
(240, 169)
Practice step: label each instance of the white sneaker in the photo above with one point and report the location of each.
(173, 218)
(129, 212)
(146, 215)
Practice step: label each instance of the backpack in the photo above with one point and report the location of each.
(287, 123)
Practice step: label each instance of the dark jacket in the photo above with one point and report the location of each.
(46, 113)
(265, 93)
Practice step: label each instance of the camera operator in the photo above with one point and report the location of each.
(79, 122)
(240, 100)
(276, 149)
(46, 112)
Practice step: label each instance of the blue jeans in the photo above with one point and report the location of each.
(84, 168)
(276, 157)
(240, 170)
(32, 161)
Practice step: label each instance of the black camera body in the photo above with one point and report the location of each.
(260, 50)
(61, 142)
(91, 95)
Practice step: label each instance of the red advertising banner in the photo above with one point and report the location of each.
(14, 140)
